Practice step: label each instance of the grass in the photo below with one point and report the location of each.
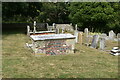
(19, 62)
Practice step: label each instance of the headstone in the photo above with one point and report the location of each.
(80, 37)
(86, 36)
(34, 27)
(95, 41)
(118, 35)
(86, 32)
(102, 43)
(34, 23)
(76, 27)
(62, 30)
(76, 35)
(54, 25)
(111, 35)
(28, 30)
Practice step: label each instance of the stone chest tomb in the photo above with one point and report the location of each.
(53, 44)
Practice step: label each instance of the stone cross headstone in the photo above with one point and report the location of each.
(102, 43)
(80, 37)
(95, 41)
(76, 35)
(111, 35)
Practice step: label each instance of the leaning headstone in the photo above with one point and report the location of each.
(76, 35)
(95, 41)
(80, 37)
(102, 43)
(111, 35)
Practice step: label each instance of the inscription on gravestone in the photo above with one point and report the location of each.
(95, 41)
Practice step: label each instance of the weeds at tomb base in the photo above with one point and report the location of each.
(18, 61)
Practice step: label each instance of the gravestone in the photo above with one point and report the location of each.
(111, 35)
(80, 37)
(86, 32)
(76, 35)
(102, 43)
(86, 36)
(62, 30)
(95, 41)
(57, 31)
(28, 30)
(54, 27)
(34, 30)
(76, 27)
(118, 35)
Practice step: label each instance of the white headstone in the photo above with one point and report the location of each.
(95, 41)
(76, 35)
(34, 23)
(28, 30)
(86, 32)
(111, 35)
(76, 27)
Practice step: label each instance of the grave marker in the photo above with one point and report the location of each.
(76, 35)
(80, 37)
(118, 35)
(86, 36)
(102, 43)
(95, 41)
(111, 35)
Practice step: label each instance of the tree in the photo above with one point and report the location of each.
(98, 16)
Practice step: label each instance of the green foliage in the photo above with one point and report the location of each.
(97, 16)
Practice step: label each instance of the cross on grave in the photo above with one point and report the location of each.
(95, 41)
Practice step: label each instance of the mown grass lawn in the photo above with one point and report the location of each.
(19, 62)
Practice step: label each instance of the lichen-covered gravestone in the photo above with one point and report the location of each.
(102, 43)
(95, 41)
(111, 35)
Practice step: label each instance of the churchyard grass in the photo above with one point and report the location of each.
(19, 62)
